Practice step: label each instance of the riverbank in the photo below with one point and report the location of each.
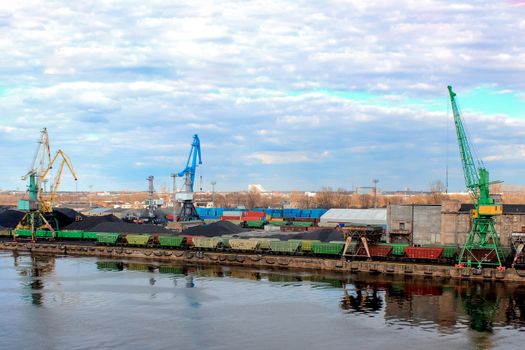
(268, 261)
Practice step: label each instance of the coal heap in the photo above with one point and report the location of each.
(218, 228)
(323, 235)
(10, 218)
(126, 227)
(66, 216)
(88, 222)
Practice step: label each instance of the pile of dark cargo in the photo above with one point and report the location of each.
(110, 223)
(322, 234)
(9, 218)
(218, 228)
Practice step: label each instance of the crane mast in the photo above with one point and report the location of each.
(187, 211)
(482, 246)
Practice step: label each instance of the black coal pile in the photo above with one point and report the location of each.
(10, 218)
(5, 207)
(126, 227)
(218, 228)
(88, 222)
(67, 216)
(322, 234)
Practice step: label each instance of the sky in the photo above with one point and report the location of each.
(291, 95)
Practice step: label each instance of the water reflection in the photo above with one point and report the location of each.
(442, 305)
(34, 272)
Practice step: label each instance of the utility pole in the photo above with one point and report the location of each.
(174, 176)
(375, 181)
(213, 183)
(151, 191)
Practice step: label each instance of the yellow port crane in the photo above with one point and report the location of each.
(39, 206)
(46, 202)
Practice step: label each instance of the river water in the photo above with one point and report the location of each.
(53, 302)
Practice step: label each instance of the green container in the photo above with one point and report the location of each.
(171, 241)
(244, 244)
(89, 235)
(23, 233)
(208, 243)
(107, 237)
(285, 246)
(254, 223)
(331, 248)
(138, 239)
(70, 234)
(302, 223)
(44, 234)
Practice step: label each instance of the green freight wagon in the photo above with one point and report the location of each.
(208, 243)
(69, 234)
(171, 241)
(140, 240)
(398, 249)
(23, 233)
(107, 238)
(285, 246)
(5, 233)
(89, 235)
(331, 248)
(306, 244)
(244, 244)
(44, 234)
(449, 251)
(264, 243)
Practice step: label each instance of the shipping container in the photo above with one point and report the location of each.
(254, 223)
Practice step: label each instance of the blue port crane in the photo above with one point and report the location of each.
(188, 212)
(482, 246)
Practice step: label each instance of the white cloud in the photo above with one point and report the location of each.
(127, 84)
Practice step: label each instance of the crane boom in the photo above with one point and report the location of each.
(470, 170)
(188, 211)
(190, 169)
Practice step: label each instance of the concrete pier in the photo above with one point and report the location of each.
(268, 261)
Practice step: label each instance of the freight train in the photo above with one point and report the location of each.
(445, 254)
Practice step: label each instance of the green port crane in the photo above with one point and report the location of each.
(482, 246)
